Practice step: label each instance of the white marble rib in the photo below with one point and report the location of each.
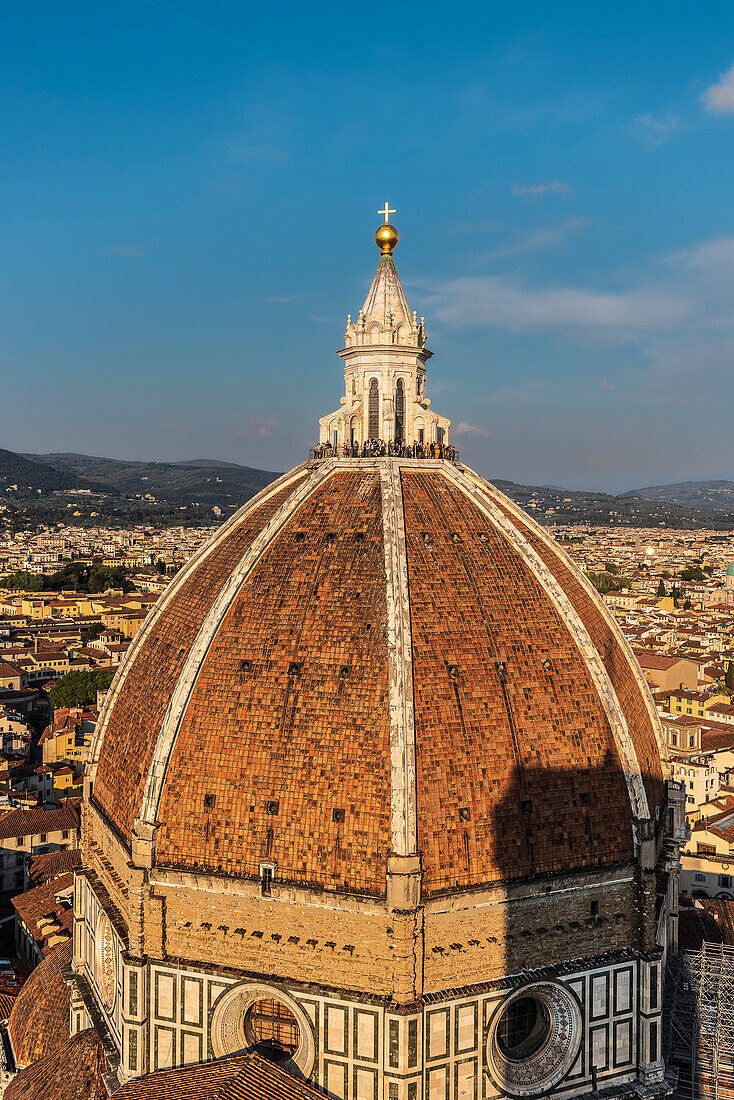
(403, 812)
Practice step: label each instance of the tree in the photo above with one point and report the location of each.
(687, 606)
(605, 582)
(29, 582)
(661, 588)
(729, 678)
(76, 575)
(79, 687)
(610, 567)
(89, 633)
(160, 565)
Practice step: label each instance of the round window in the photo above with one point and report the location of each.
(271, 1024)
(523, 1028)
(254, 1015)
(533, 1038)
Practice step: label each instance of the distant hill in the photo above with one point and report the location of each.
(192, 491)
(214, 463)
(716, 495)
(22, 476)
(202, 482)
(563, 506)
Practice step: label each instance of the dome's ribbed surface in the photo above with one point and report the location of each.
(375, 657)
(143, 686)
(39, 1020)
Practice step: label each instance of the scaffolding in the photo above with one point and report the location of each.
(699, 1022)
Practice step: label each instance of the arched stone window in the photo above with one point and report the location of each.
(373, 409)
(375, 334)
(354, 430)
(400, 411)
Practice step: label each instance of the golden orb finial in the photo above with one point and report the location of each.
(386, 238)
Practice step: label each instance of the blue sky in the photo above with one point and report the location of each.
(189, 193)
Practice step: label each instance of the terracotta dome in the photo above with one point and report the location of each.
(39, 1020)
(71, 1070)
(378, 657)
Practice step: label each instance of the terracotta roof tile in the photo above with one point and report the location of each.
(311, 742)
(73, 1071)
(201, 1081)
(239, 1077)
(39, 1021)
(614, 654)
(696, 926)
(38, 820)
(44, 917)
(135, 719)
(506, 803)
(261, 1080)
(650, 658)
(287, 717)
(49, 865)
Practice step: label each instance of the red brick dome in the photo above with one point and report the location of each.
(379, 657)
(39, 1020)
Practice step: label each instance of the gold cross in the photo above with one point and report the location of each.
(387, 211)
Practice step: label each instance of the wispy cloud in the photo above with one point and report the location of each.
(685, 296)
(654, 131)
(124, 250)
(535, 190)
(462, 428)
(717, 254)
(496, 302)
(262, 427)
(543, 237)
(719, 97)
